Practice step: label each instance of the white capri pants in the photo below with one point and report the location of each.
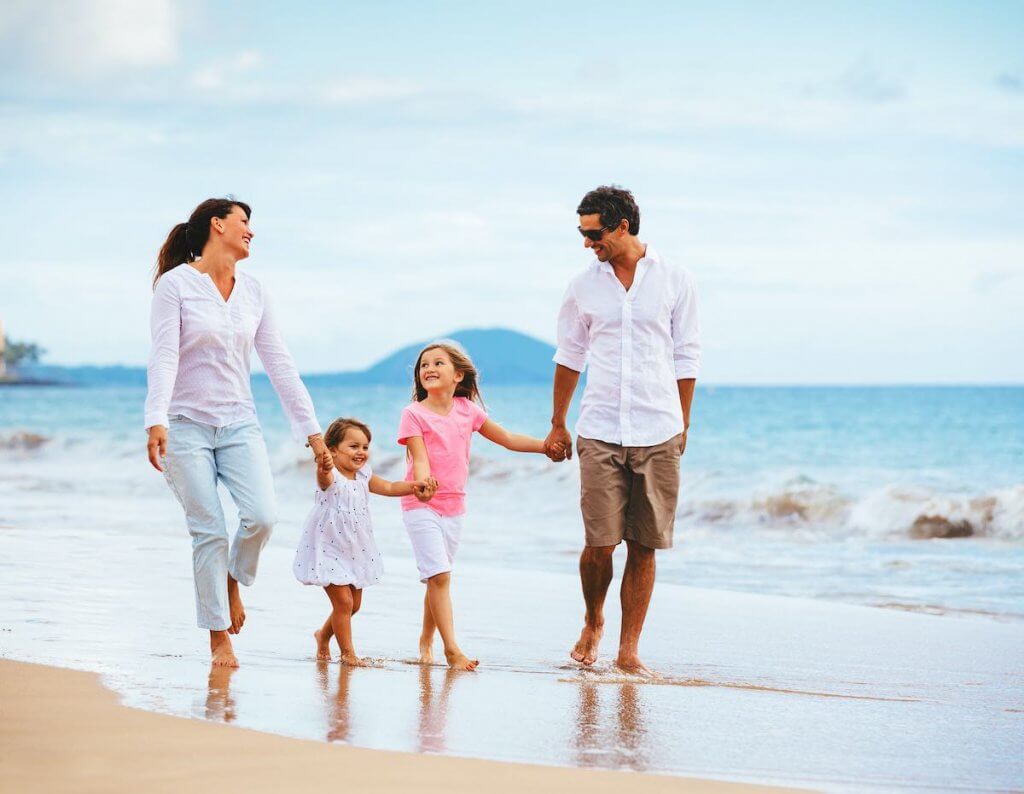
(434, 538)
(198, 456)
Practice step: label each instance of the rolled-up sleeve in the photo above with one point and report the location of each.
(573, 337)
(277, 361)
(162, 368)
(686, 331)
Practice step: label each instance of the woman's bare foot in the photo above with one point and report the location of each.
(354, 661)
(235, 606)
(585, 651)
(221, 651)
(630, 663)
(457, 660)
(323, 646)
(426, 650)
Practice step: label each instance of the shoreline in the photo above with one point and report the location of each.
(63, 729)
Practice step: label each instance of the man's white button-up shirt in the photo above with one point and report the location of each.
(637, 343)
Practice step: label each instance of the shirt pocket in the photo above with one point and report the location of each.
(202, 322)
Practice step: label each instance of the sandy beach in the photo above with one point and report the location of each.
(63, 731)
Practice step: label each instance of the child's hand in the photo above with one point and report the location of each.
(325, 462)
(424, 489)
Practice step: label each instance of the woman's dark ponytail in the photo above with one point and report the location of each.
(187, 240)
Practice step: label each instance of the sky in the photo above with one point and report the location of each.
(845, 181)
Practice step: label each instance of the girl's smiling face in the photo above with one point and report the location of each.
(352, 452)
(436, 372)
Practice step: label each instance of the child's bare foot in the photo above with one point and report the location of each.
(354, 661)
(630, 663)
(585, 651)
(221, 651)
(426, 650)
(323, 646)
(457, 660)
(235, 606)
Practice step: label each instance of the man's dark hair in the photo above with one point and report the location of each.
(613, 203)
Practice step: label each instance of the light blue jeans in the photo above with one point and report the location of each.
(198, 456)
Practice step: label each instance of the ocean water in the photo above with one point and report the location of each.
(836, 493)
(803, 510)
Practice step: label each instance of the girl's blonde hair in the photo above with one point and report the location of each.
(336, 431)
(468, 387)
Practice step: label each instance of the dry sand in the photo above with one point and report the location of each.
(61, 730)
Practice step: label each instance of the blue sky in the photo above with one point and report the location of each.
(846, 182)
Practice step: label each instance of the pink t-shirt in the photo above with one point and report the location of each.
(447, 440)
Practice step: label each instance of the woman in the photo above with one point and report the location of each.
(206, 318)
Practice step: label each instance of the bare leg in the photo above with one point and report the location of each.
(221, 651)
(637, 586)
(440, 601)
(323, 640)
(235, 606)
(341, 622)
(595, 576)
(427, 635)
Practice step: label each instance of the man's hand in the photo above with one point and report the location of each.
(682, 442)
(558, 444)
(157, 445)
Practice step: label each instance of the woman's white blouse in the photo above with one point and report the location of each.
(199, 365)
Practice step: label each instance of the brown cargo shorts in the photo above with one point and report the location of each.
(629, 493)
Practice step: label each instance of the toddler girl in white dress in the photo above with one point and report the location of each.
(337, 551)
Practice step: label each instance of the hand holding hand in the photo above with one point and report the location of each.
(325, 461)
(425, 489)
(157, 445)
(558, 444)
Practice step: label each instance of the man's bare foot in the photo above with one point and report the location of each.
(630, 663)
(585, 651)
(323, 646)
(235, 606)
(457, 660)
(221, 651)
(354, 661)
(426, 651)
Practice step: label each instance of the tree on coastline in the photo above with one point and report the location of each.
(15, 353)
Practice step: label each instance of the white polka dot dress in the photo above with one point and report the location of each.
(337, 545)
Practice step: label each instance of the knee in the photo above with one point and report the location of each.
(597, 555)
(439, 581)
(341, 599)
(261, 522)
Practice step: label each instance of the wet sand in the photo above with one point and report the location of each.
(62, 730)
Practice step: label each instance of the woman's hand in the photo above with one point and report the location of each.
(157, 446)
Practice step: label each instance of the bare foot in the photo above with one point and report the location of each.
(235, 606)
(630, 663)
(221, 651)
(426, 651)
(457, 660)
(585, 651)
(323, 646)
(354, 661)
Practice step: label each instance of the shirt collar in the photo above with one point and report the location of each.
(650, 257)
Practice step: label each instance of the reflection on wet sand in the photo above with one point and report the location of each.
(434, 709)
(220, 706)
(600, 744)
(337, 706)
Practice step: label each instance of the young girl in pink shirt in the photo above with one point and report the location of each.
(437, 428)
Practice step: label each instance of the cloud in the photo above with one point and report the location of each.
(86, 37)
(991, 280)
(860, 83)
(219, 74)
(1011, 81)
(364, 89)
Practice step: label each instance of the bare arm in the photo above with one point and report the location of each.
(686, 387)
(324, 471)
(420, 462)
(516, 442)
(563, 390)
(382, 487)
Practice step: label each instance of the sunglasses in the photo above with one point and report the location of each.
(595, 235)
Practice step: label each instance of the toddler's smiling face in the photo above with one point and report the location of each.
(352, 452)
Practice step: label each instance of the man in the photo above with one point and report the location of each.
(631, 316)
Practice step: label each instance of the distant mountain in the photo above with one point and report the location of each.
(501, 355)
